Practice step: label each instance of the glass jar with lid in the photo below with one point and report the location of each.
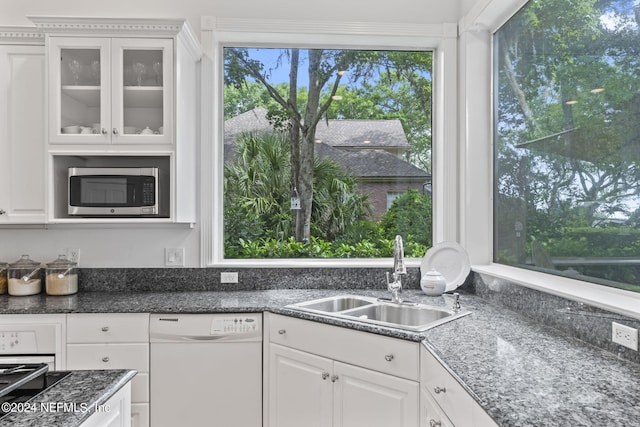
(3, 277)
(62, 277)
(25, 277)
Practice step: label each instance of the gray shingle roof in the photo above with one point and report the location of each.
(371, 163)
(362, 134)
(344, 142)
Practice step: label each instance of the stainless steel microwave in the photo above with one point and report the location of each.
(108, 192)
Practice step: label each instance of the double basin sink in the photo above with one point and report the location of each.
(410, 316)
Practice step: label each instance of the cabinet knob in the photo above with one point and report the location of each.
(115, 131)
(105, 359)
(334, 378)
(105, 329)
(434, 423)
(282, 331)
(104, 131)
(2, 212)
(325, 375)
(388, 357)
(439, 390)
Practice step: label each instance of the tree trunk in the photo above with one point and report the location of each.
(308, 130)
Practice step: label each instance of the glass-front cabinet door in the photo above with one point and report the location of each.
(79, 90)
(142, 94)
(110, 90)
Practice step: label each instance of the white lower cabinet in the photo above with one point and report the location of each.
(444, 402)
(113, 341)
(300, 389)
(320, 375)
(363, 397)
(115, 412)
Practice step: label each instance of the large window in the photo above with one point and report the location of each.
(314, 140)
(567, 140)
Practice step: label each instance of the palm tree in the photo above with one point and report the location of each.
(257, 189)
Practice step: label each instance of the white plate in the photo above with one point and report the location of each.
(450, 260)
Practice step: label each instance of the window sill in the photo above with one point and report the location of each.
(615, 300)
(315, 263)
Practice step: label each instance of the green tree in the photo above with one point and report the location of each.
(299, 115)
(257, 194)
(568, 134)
(410, 211)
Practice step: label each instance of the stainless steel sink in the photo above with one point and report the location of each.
(415, 317)
(400, 314)
(334, 304)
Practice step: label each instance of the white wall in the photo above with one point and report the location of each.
(131, 247)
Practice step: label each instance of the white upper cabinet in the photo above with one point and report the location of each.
(110, 90)
(22, 118)
(122, 92)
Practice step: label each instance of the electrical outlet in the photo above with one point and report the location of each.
(624, 335)
(73, 255)
(229, 277)
(174, 257)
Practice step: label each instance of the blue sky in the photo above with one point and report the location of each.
(279, 72)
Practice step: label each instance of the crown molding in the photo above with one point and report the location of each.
(97, 25)
(212, 23)
(21, 35)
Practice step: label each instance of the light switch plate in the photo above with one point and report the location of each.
(174, 257)
(73, 255)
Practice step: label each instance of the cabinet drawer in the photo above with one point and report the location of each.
(139, 415)
(430, 412)
(445, 390)
(380, 353)
(105, 328)
(108, 356)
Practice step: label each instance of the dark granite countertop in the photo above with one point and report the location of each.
(521, 373)
(71, 401)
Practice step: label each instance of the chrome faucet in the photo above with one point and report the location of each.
(399, 270)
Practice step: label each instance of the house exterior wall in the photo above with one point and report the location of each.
(377, 193)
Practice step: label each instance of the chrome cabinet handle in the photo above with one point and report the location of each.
(439, 390)
(325, 375)
(115, 131)
(105, 329)
(388, 357)
(434, 423)
(2, 212)
(104, 131)
(282, 331)
(105, 359)
(334, 378)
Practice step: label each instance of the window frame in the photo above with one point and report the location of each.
(219, 33)
(477, 154)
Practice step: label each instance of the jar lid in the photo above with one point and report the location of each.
(61, 262)
(433, 272)
(24, 262)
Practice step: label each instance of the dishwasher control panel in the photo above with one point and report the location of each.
(235, 324)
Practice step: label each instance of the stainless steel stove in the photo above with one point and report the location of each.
(20, 383)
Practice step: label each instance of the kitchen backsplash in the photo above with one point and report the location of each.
(208, 279)
(587, 323)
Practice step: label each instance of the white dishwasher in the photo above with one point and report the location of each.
(206, 370)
